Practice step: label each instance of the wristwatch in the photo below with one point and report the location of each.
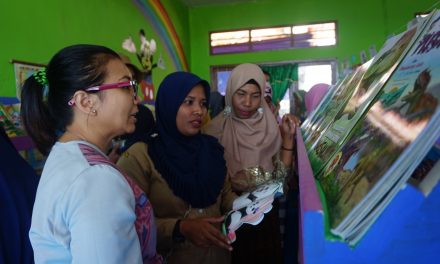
(177, 236)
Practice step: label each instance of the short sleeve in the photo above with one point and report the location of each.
(99, 210)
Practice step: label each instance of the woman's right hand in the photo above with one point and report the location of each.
(205, 232)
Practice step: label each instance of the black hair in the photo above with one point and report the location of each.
(266, 73)
(143, 128)
(252, 81)
(71, 69)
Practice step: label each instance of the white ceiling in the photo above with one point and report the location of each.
(192, 3)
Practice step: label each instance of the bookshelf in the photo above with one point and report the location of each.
(408, 231)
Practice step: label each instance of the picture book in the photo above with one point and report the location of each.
(250, 207)
(427, 174)
(388, 143)
(371, 83)
(327, 113)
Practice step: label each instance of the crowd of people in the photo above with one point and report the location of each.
(161, 196)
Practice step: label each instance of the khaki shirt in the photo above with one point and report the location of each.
(168, 208)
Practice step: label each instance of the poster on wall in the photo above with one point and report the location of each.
(22, 71)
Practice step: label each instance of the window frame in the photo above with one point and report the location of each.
(250, 45)
(214, 69)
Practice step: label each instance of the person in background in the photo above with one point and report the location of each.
(86, 210)
(183, 173)
(145, 120)
(216, 104)
(257, 150)
(314, 96)
(299, 106)
(268, 94)
(18, 185)
(144, 128)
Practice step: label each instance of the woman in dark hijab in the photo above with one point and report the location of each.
(216, 103)
(18, 185)
(143, 128)
(183, 173)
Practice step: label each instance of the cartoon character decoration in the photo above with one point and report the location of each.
(250, 207)
(145, 57)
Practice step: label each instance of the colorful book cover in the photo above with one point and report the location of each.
(315, 117)
(326, 114)
(369, 87)
(388, 143)
(427, 174)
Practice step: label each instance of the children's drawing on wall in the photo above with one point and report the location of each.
(145, 55)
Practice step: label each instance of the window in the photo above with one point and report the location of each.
(309, 74)
(282, 37)
(234, 41)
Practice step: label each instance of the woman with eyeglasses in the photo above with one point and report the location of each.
(86, 210)
(183, 173)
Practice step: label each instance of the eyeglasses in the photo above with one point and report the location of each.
(128, 84)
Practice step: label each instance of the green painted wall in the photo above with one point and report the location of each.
(34, 30)
(179, 14)
(360, 25)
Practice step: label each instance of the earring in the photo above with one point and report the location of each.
(260, 110)
(94, 111)
(227, 111)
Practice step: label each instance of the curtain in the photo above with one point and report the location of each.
(281, 78)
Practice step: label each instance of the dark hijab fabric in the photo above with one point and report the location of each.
(193, 167)
(18, 186)
(217, 103)
(143, 128)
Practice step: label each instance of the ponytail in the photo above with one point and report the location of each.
(37, 121)
(45, 95)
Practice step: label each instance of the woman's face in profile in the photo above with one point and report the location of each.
(246, 100)
(192, 111)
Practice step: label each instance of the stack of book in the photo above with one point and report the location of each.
(366, 152)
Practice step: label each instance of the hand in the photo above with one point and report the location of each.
(288, 126)
(205, 232)
(241, 182)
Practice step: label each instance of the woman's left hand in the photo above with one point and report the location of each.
(288, 126)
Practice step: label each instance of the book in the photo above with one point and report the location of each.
(250, 207)
(427, 174)
(388, 143)
(368, 88)
(329, 109)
